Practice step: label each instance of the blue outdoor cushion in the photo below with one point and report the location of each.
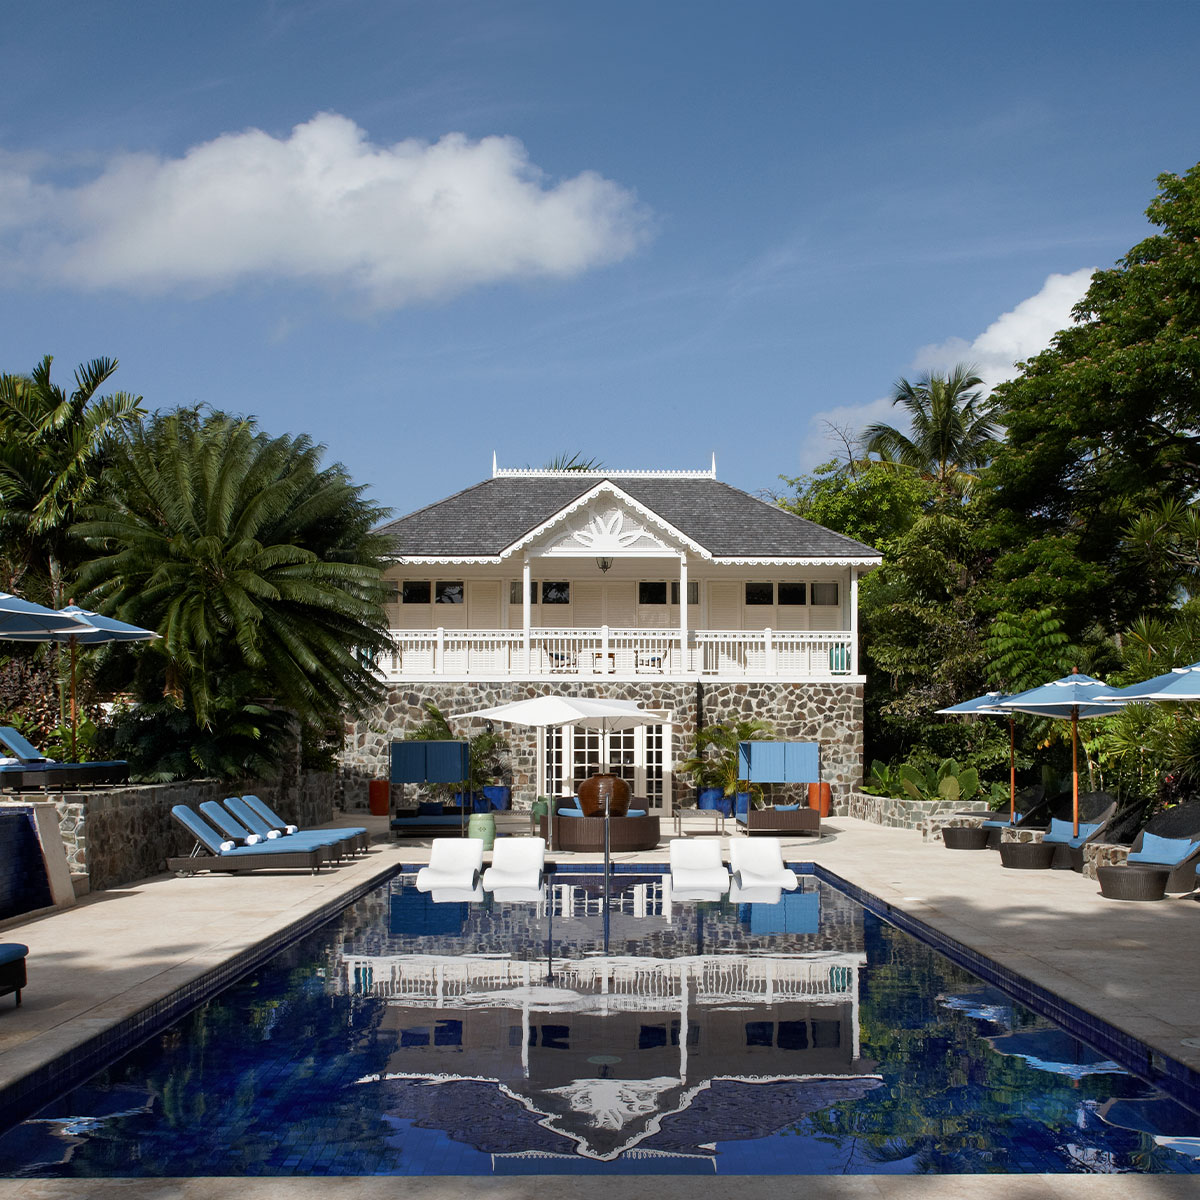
(636, 812)
(1167, 852)
(1063, 832)
(12, 952)
(570, 812)
(786, 807)
(429, 808)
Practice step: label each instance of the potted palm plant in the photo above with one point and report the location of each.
(714, 763)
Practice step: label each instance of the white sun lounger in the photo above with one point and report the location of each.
(517, 869)
(454, 868)
(757, 865)
(697, 872)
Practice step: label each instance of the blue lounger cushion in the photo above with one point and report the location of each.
(332, 839)
(275, 821)
(1062, 833)
(1165, 851)
(222, 847)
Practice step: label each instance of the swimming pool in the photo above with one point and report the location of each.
(810, 1036)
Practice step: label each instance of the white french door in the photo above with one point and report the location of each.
(570, 754)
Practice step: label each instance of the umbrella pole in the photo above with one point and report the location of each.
(1075, 769)
(1012, 771)
(74, 719)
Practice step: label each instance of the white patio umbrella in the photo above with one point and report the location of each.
(542, 712)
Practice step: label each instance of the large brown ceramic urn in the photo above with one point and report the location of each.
(595, 790)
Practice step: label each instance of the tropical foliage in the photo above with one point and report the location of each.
(714, 761)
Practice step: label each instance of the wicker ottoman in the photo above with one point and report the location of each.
(1133, 882)
(1026, 856)
(965, 837)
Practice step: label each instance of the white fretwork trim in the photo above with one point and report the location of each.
(499, 472)
(834, 560)
(606, 488)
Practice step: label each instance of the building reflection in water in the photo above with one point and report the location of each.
(608, 1051)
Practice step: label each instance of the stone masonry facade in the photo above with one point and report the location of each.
(828, 713)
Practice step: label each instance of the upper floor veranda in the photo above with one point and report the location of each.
(579, 574)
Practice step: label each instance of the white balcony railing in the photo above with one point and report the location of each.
(501, 653)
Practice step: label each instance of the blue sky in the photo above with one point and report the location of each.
(423, 232)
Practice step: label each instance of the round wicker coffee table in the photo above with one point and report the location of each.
(1026, 856)
(1133, 881)
(965, 837)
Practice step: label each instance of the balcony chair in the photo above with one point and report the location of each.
(455, 865)
(517, 870)
(697, 872)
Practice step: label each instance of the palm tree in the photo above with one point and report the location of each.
(954, 430)
(53, 447)
(257, 566)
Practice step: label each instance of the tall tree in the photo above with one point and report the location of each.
(953, 430)
(53, 447)
(257, 566)
(1103, 426)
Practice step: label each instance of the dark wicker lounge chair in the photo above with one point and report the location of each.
(773, 819)
(38, 771)
(214, 853)
(234, 828)
(262, 819)
(1165, 842)
(12, 968)
(1068, 847)
(586, 834)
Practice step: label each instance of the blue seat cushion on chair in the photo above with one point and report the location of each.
(786, 807)
(1062, 833)
(429, 808)
(1165, 851)
(570, 812)
(636, 812)
(12, 952)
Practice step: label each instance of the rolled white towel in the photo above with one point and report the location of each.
(253, 840)
(228, 845)
(291, 829)
(273, 833)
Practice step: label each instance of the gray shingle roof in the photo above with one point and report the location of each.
(485, 519)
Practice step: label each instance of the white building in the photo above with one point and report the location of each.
(537, 580)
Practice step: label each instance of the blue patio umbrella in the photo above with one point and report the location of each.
(24, 621)
(986, 705)
(86, 628)
(1180, 685)
(1074, 697)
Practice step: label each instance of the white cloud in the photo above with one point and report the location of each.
(1013, 337)
(396, 224)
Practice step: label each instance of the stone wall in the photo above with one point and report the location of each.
(115, 836)
(828, 713)
(929, 816)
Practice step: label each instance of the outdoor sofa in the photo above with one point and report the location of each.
(429, 819)
(781, 818)
(573, 832)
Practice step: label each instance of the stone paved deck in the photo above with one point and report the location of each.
(110, 957)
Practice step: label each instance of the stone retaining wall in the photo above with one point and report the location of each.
(115, 836)
(929, 816)
(827, 713)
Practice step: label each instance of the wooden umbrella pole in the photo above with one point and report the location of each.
(1075, 769)
(74, 718)
(1012, 772)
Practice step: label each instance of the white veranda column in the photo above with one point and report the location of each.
(683, 613)
(526, 612)
(853, 620)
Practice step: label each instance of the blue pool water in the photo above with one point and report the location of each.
(807, 1036)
